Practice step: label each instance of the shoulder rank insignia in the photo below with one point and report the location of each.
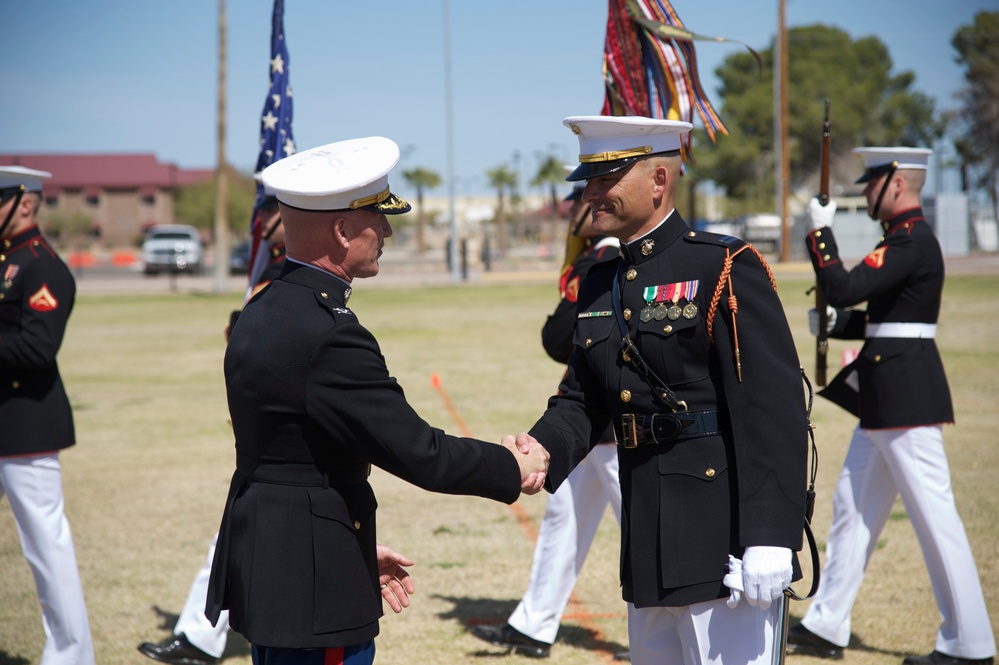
(876, 259)
(43, 300)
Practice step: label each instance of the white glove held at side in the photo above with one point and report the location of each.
(734, 581)
(813, 320)
(821, 215)
(766, 572)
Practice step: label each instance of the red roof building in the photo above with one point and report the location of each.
(122, 194)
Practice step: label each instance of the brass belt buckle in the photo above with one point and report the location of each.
(629, 433)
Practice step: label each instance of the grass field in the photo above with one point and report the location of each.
(145, 485)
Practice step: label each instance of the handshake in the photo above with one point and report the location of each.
(532, 458)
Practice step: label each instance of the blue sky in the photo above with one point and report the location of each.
(140, 75)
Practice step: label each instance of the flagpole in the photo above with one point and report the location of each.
(221, 179)
(448, 120)
(782, 155)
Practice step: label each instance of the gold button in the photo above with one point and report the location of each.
(588, 342)
(324, 295)
(822, 245)
(826, 257)
(627, 315)
(818, 234)
(631, 274)
(709, 472)
(357, 524)
(625, 395)
(626, 357)
(2, 258)
(2, 295)
(691, 234)
(15, 384)
(6, 244)
(668, 329)
(877, 358)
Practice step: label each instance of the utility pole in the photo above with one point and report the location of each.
(221, 267)
(782, 160)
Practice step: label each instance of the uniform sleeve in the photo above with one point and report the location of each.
(350, 392)
(556, 335)
(576, 420)
(48, 294)
(766, 409)
(889, 264)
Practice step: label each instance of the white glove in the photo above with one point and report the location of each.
(821, 215)
(766, 572)
(813, 320)
(733, 581)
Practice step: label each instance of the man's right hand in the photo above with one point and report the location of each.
(532, 458)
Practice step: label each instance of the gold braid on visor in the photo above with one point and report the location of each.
(369, 200)
(614, 155)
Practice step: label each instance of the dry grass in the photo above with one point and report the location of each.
(144, 486)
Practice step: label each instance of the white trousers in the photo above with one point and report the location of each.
(33, 484)
(192, 621)
(572, 516)
(880, 465)
(710, 633)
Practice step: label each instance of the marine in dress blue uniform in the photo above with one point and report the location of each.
(717, 472)
(37, 292)
(313, 407)
(898, 389)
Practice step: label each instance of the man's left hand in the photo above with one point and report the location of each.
(766, 572)
(394, 580)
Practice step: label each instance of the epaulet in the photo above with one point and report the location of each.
(705, 237)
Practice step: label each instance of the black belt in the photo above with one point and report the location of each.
(302, 475)
(632, 430)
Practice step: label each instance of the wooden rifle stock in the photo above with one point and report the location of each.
(822, 339)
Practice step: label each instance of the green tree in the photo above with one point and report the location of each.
(421, 179)
(502, 180)
(195, 204)
(870, 106)
(551, 173)
(978, 146)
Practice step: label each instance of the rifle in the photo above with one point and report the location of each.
(822, 339)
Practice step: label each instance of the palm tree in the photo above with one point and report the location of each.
(421, 179)
(502, 179)
(551, 173)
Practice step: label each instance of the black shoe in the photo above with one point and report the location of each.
(937, 658)
(623, 655)
(803, 642)
(176, 649)
(511, 638)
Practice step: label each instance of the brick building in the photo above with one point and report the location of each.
(122, 194)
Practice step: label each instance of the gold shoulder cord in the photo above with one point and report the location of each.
(733, 304)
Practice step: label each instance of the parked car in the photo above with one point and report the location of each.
(172, 248)
(762, 230)
(239, 259)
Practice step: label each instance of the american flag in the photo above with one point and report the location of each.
(276, 141)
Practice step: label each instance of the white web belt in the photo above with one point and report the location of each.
(909, 330)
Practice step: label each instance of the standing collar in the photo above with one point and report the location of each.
(910, 215)
(655, 241)
(313, 277)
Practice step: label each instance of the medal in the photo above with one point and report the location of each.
(674, 313)
(689, 310)
(660, 312)
(646, 314)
